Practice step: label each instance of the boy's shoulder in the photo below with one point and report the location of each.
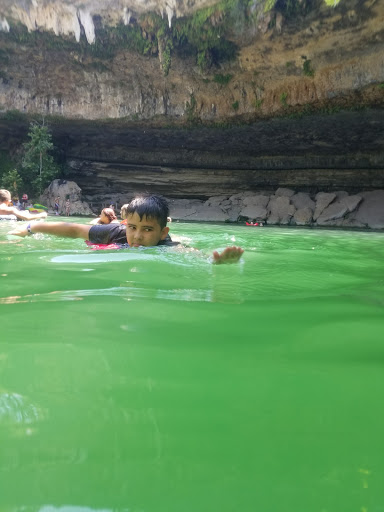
(168, 241)
(108, 233)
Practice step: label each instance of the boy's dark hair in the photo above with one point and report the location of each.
(155, 207)
(5, 195)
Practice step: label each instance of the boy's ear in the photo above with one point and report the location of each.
(164, 232)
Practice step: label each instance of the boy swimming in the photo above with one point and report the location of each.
(146, 226)
(7, 208)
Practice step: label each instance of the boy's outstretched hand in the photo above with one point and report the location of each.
(229, 255)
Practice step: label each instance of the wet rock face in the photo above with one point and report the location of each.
(64, 190)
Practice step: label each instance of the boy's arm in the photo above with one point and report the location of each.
(229, 255)
(65, 229)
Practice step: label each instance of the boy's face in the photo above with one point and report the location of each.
(146, 232)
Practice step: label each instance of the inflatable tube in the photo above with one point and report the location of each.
(255, 224)
(98, 247)
(37, 208)
(8, 217)
(40, 207)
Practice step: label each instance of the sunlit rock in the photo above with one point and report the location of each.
(66, 190)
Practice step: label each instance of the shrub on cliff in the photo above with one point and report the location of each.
(38, 167)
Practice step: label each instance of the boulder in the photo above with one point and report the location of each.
(352, 202)
(303, 216)
(280, 210)
(371, 210)
(216, 200)
(66, 190)
(339, 209)
(257, 200)
(181, 209)
(303, 200)
(194, 209)
(284, 192)
(332, 212)
(340, 194)
(254, 212)
(323, 199)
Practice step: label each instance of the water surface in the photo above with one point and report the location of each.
(150, 380)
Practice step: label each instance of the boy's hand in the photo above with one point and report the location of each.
(19, 231)
(229, 255)
(42, 215)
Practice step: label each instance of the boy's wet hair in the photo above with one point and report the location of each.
(155, 207)
(5, 195)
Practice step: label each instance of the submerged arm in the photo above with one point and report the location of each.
(65, 229)
(229, 255)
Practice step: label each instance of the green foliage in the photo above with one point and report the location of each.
(291, 9)
(11, 180)
(235, 105)
(307, 68)
(13, 115)
(269, 5)
(38, 166)
(283, 99)
(6, 163)
(222, 79)
(203, 33)
(259, 103)
(381, 86)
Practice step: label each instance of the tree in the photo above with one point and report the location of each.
(38, 165)
(12, 181)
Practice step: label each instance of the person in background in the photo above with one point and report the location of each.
(107, 216)
(24, 200)
(7, 208)
(57, 205)
(67, 208)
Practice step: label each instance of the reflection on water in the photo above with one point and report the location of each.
(16, 409)
(153, 381)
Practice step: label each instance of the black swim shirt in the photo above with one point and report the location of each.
(116, 234)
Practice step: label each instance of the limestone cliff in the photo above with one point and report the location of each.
(234, 59)
(199, 98)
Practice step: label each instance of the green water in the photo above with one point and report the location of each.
(149, 380)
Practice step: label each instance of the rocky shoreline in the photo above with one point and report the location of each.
(284, 207)
(287, 207)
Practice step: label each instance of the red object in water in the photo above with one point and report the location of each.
(251, 224)
(98, 247)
